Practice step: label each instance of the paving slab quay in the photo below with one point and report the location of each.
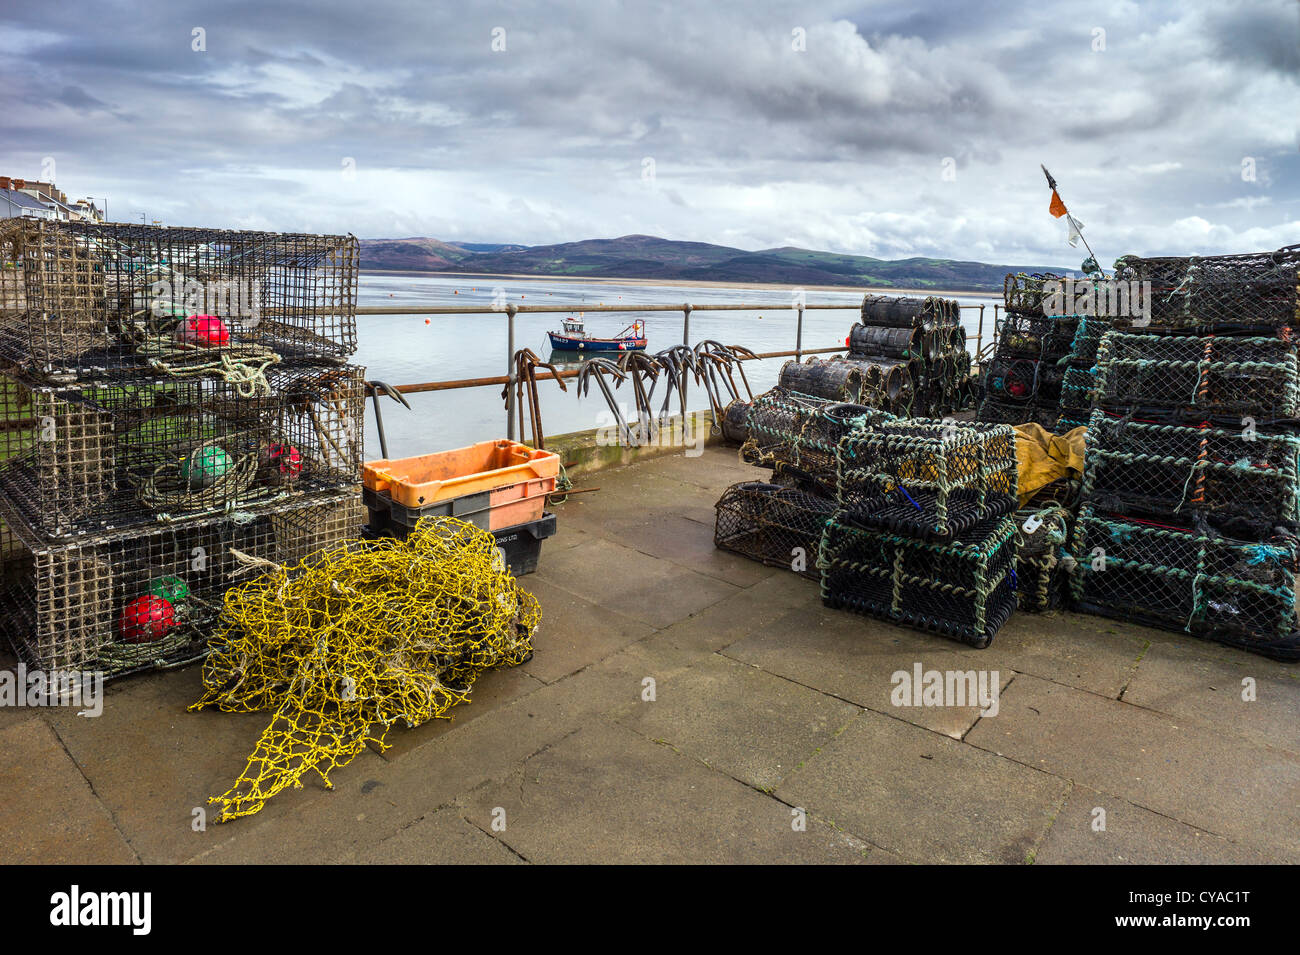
(688, 705)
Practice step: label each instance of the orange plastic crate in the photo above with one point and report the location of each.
(486, 466)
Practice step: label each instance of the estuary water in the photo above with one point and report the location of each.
(402, 349)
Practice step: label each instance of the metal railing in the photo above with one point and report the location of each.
(377, 388)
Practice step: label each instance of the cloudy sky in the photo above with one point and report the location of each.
(890, 128)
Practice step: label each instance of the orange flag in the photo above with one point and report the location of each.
(1057, 208)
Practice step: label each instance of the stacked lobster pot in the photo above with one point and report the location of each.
(780, 522)
(1023, 381)
(1080, 378)
(177, 407)
(907, 356)
(922, 532)
(1191, 497)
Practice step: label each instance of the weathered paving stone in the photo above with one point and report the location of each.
(740, 614)
(1132, 836)
(605, 794)
(855, 658)
(48, 814)
(1079, 650)
(575, 632)
(685, 542)
(653, 591)
(925, 797)
(441, 838)
(493, 690)
(152, 763)
(739, 720)
(1209, 777)
(1192, 680)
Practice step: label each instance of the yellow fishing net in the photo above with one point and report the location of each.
(354, 638)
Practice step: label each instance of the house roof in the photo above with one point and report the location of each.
(20, 200)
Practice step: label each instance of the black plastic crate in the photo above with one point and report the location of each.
(521, 545)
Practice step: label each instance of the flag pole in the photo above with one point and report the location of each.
(1052, 183)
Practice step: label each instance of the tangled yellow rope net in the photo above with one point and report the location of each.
(354, 638)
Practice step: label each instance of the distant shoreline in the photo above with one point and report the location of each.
(685, 283)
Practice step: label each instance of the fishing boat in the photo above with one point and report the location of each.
(574, 337)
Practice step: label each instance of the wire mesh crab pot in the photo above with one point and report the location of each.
(1237, 480)
(1012, 380)
(95, 458)
(1025, 293)
(930, 479)
(777, 526)
(906, 312)
(993, 411)
(1087, 339)
(1211, 374)
(1041, 534)
(1236, 592)
(79, 301)
(799, 433)
(1254, 290)
(1036, 337)
(965, 590)
(1077, 388)
(129, 602)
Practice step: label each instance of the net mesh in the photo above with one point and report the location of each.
(356, 637)
(927, 478)
(1234, 479)
(1236, 592)
(1212, 374)
(777, 526)
(964, 590)
(1252, 290)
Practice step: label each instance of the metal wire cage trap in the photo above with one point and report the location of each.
(928, 478)
(1041, 534)
(965, 589)
(1210, 374)
(777, 526)
(80, 301)
(1025, 293)
(93, 458)
(129, 602)
(1258, 289)
(1234, 479)
(1235, 592)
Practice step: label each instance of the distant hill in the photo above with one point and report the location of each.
(649, 257)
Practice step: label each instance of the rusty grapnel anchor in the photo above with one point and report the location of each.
(526, 362)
